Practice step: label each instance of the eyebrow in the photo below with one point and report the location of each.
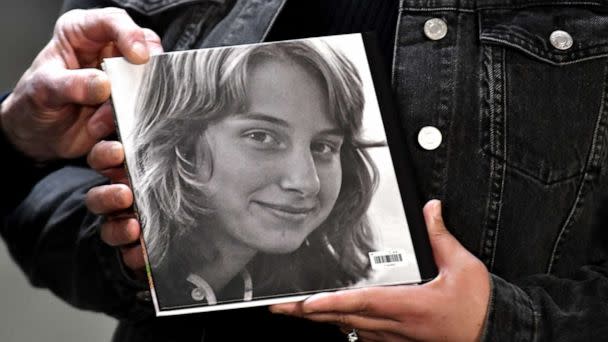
(264, 117)
(281, 122)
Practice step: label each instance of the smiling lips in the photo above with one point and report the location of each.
(287, 212)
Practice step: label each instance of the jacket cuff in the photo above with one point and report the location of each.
(511, 314)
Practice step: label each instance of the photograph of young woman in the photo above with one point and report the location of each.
(252, 178)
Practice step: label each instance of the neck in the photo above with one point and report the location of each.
(222, 257)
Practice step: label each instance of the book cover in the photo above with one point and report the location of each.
(265, 173)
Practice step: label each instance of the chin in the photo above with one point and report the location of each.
(284, 248)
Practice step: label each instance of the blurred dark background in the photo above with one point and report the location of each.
(26, 313)
(26, 26)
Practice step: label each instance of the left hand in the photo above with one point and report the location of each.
(451, 307)
(55, 110)
(114, 201)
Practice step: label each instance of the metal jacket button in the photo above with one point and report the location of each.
(429, 138)
(435, 28)
(561, 40)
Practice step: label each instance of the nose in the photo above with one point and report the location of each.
(300, 174)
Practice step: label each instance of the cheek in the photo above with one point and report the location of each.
(238, 176)
(330, 177)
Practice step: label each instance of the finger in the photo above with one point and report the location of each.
(106, 155)
(120, 232)
(54, 87)
(89, 31)
(109, 51)
(153, 42)
(382, 336)
(293, 309)
(133, 257)
(101, 123)
(379, 302)
(371, 336)
(75, 140)
(445, 246)
(106, 199)
(355, 321)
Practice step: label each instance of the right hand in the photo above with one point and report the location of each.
(120, 229)
(54, 111)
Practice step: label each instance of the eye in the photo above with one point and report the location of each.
(261, 138)
(326, 148)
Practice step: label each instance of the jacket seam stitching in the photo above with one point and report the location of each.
(538, 56)
(396, 46)
(486, 115)
(504, 166)
(522, 170)
(494, 100)
(504, 148)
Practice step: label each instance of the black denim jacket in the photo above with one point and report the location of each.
(521, 168)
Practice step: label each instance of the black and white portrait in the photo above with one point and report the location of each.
(261, 173)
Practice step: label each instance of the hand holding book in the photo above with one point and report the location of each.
(454, 304)
(55, 110)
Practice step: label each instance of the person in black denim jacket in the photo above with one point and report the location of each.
(504, 108)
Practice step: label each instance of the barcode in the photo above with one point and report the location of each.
(381, 259)
(387, 259)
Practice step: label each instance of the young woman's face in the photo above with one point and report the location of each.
(276, 167)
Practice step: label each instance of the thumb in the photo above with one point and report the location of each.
(90, 30)
(54, 87)
(153, 41)
(445, 246)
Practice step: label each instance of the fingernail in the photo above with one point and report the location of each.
(317, 297)
(140, 50)
(116, 150)
(99, 87)
(437, 209)
(152, 39)
(308, 306)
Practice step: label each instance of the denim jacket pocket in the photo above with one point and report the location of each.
(152, 7)
(543, 98)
